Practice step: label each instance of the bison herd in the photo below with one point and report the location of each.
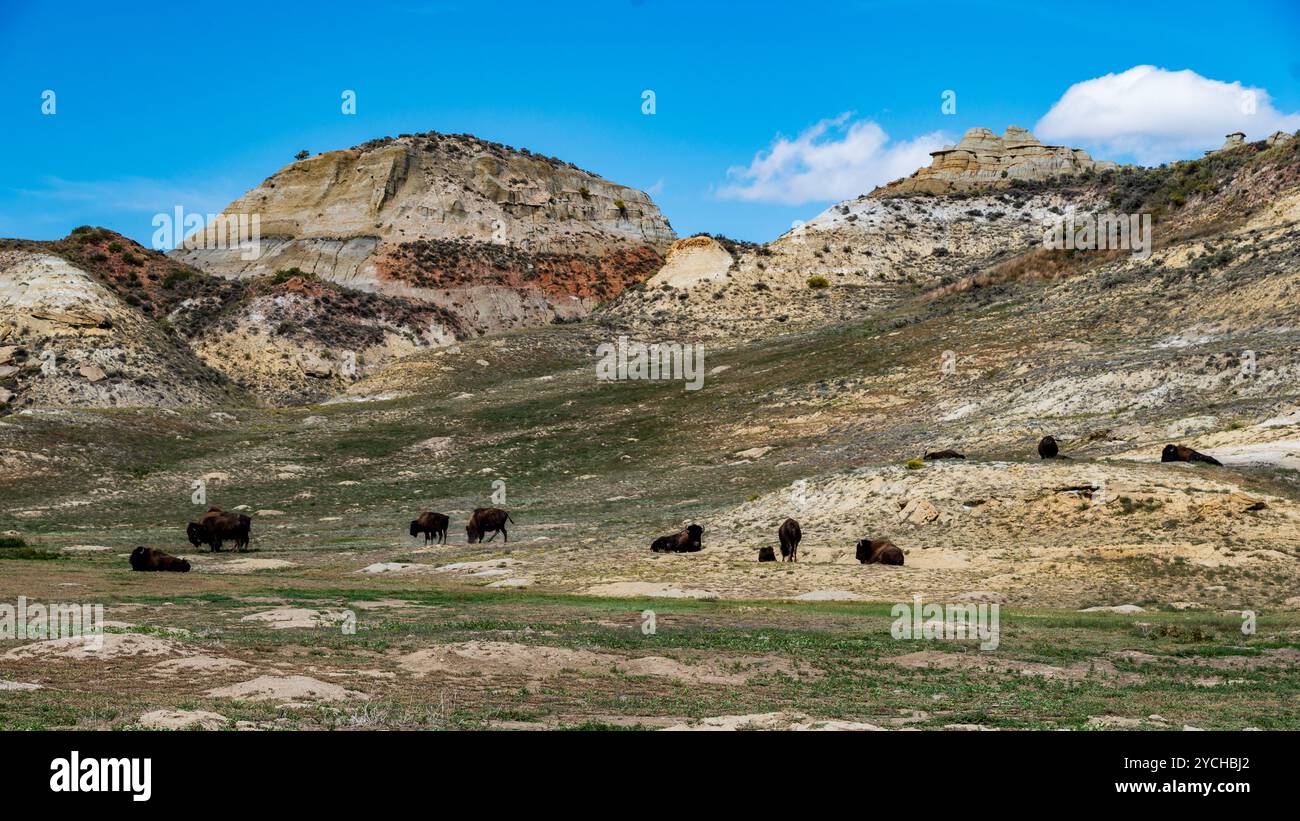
(216, 526)
(1048, 448)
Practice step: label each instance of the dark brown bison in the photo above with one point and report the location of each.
(687, 541)
(766, 554)
(1047, 448)
(1179, 453)
(432, 525)
(216, 527)
(789, 534)
(943, 454)
(484, 520)
(879, 552)
(151, 558)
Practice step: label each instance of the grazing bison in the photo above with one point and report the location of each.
(789, 534)
(1047, 448)
(766, 554)
(1178, 452)
(432, 525)
(879, 552)
(687, 541)
(151, 558)
(485, 519)
(943, 454)
(216, 526)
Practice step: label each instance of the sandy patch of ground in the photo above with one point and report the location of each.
(499, 658)
(651, 589)
(86, 548)
(114, 645)
(288, 689)
(283, 618)
(238, 565)
(197, 664)
(395, 567)
(769, 721)
(182, 720)
(18, 685)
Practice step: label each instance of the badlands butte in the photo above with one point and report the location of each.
(420, 330)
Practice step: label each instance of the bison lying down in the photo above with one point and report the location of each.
(1181, 453)
(943, 454)
(432, 525)
(484, 520)
(217, 526)
(879, 552)
(151, 558)
(687, 541)
(766, 554)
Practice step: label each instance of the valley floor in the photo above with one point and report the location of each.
(337, 618)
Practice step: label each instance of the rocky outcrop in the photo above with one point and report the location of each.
(67, 339)
(1279, 138)
(692, 261)
(983, 160)
(1234, 140)
(496, 236)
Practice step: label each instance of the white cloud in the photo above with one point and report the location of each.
(1155, 115)
(834, 160)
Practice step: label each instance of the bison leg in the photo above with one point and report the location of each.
(494, 535)
(505, 537)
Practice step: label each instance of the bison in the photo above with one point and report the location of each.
(879, 552)
(151, 558)
(943, 454)
(1179, 453)
(216, 526)
(432, 525)
(766, 554)
(686, 541)
(485, 519)
(789, 534)
(1047, 448)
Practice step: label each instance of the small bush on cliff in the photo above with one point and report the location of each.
(818, 282)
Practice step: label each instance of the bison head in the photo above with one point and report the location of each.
(183, 565)
(415, 528)
(1169, 454)
(471, 534)
(694, 532)
(864, 551)
(194, 532)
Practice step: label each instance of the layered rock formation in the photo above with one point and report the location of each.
(497, 237)
(982, 159)
(67, 339)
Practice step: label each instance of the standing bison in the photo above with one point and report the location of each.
(879, 552)
(432, 525)
(487, 519)
(216, 527)
(789, 534)
(151, 558)
(686, 541)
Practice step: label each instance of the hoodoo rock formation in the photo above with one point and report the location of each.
(983, 159)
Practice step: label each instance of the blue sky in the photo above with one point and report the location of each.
(162, 104)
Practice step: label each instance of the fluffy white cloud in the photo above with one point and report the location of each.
(833, 160)
(1154, 115)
